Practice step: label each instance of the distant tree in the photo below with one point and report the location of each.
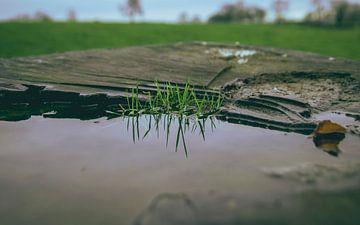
(280, 6)
(196, 19)
(319, 15)
(346, 13)
(238, 12)
(240, 4)
(353, 15)
(340, 8)
(21, 17)
(341, 12)
(42, 16)
(131, 8)
(37, 16)
(71, 15)
(318, 5)
(183, 17)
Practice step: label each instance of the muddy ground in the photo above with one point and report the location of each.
(266, 87)
(276, 89)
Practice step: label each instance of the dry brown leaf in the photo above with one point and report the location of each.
(328, 127)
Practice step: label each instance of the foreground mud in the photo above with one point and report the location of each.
(242, 175)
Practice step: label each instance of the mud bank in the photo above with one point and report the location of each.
(105, 169)
(270, 88)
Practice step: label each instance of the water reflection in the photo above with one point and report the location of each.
(176, 125)
(329, 143)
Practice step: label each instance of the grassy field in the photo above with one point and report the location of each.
(22, 39)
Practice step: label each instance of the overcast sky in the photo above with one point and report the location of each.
(155, 10)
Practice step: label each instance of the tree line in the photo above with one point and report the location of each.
(325, 12)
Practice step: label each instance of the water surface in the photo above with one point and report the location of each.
(91, 172)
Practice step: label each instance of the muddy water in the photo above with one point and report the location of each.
(94, 172)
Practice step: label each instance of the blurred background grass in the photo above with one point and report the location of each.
(35, 38)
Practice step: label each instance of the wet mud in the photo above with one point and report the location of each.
(225, 168)
(93, 172)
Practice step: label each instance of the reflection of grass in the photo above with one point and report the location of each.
(171, 99)
(20, 39)
(170, 103)
(166, 122)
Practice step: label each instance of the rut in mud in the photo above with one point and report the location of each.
(276, 89)
(284, 102)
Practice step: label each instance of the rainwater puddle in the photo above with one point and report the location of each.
(110, 171)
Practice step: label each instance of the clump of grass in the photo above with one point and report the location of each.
(172, 99)
(172, 102)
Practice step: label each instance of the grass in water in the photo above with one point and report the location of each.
(171, 103)
(172, 99)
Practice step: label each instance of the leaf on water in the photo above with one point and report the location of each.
(328, 127)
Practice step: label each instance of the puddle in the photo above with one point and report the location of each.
(226, 53)
(242, 56)
(342, 118)
(66, 171)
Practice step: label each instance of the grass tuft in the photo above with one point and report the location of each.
(171, 99)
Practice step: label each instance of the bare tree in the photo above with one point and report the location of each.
(71, 15)
(196, 19)
(280, 6)
(318, 4)
(131, 8)
(183, 17)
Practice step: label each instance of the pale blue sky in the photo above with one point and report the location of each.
(155, 10)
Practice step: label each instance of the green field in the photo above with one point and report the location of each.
(22, 39)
